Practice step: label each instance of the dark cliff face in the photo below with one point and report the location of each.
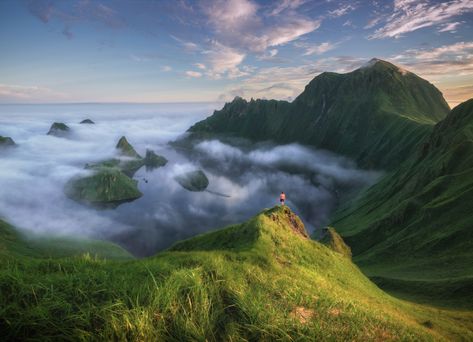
(376, 115)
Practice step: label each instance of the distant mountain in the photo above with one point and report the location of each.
(376, 115)
(414, 229)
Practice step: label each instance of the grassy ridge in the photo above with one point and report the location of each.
(415, 224)
(261, 280)
(375, 115)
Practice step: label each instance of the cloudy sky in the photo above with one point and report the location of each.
(213, 50)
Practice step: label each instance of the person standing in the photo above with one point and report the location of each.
(282, 198)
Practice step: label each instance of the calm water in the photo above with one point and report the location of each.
(33, 175)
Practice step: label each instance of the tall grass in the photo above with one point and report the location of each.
(292, 289)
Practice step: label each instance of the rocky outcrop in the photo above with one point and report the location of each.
(153, 160)
(126, 149)
(6, 142)
(59, 129)
(283, 215)
(193, 180)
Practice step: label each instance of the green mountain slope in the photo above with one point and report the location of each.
(376, 115)
(259, 280)
(413, 229)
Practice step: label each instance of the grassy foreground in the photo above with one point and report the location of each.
(260, 280)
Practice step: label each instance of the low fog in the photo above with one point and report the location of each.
(250, 177)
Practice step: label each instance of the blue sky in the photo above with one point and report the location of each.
(213, 50)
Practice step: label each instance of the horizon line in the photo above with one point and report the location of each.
(105, 102)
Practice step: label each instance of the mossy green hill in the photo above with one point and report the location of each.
(413, 229)
(259, 280)
(13, 244)
(107, 187)
(376, 115)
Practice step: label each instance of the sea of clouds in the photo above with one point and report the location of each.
(244, 178)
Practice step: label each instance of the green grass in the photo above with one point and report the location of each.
(13, 243)
(259, 280)
(333, 240)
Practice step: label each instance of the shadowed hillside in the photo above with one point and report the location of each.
(413, 229)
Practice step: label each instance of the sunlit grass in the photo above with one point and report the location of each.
(260, 281)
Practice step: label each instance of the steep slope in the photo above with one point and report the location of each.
(333, 240)
(260, 280)
(415, 226)
(375, 115)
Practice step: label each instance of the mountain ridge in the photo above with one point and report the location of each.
(360, 114)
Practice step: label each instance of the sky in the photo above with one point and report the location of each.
(213, 50)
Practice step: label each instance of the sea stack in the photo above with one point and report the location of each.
(126, 149)
(59, 129)
(6, 142)
(153, 160)
(193, 180)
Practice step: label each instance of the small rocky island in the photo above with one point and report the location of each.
(107, 187)
(59, 129)
(153, 160)
(111, 183)
(193, 180)
(6, 142)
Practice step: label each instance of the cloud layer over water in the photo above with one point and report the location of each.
(33, 175)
